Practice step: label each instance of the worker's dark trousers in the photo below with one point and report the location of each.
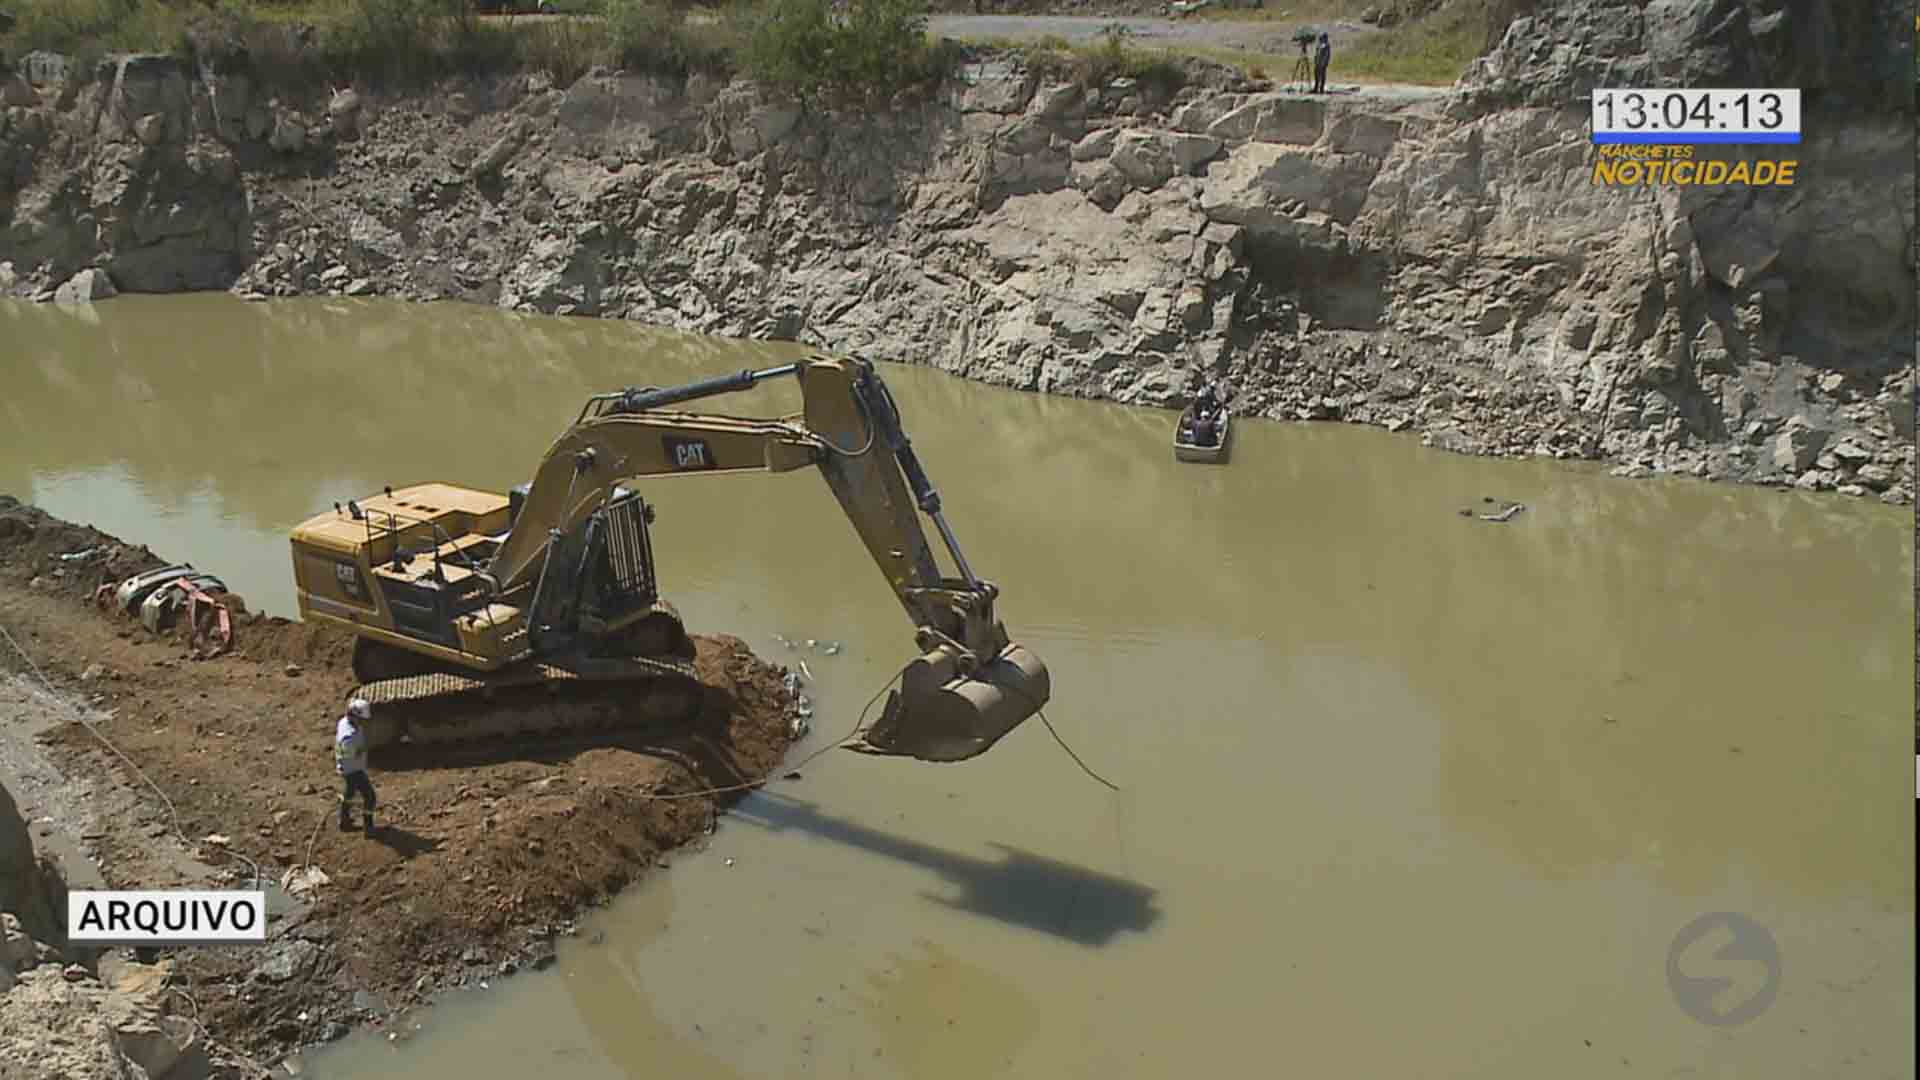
(1319, 78)
(357, 781)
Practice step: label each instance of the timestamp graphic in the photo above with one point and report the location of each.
(1696, 117)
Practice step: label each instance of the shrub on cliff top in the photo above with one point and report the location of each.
(1112, 58)
(403, 41)
(865, 47)
(655, 36)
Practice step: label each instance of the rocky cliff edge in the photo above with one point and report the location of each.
(1433, 260)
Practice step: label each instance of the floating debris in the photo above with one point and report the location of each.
(804, 706)
(805, 670)
(812, 644)
(82, 554)
(792, 684)
(800, 727)
(831, 648)
(1505, 514)
(782, 640)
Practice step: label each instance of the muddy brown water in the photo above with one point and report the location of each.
(1403, 794)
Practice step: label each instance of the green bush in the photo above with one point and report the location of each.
(875, 46)
(655, 36)
(411, 41)
(1112, 58)
(806, 46)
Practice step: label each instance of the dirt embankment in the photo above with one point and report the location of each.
(484, 855)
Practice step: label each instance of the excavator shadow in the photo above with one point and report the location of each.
(1019, 888)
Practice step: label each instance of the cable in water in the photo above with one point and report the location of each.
(1084, 767)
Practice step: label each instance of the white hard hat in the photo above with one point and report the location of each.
(359, 709)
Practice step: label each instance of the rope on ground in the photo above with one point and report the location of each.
(307, 864)
(749, 785)
(173, 814)
(210, 1041)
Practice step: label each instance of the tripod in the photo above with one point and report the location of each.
(1303, 72)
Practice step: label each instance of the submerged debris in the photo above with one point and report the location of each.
(1506, 513)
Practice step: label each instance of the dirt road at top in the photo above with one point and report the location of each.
(1268, 35)
(1252, 35)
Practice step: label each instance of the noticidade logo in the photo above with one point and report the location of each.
(1654, 166)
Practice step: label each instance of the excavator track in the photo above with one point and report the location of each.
(532, 700)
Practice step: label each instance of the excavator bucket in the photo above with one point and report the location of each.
(940, 714)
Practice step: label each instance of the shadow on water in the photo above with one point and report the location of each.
(1019, 888)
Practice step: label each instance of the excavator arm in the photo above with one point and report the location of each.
(969, 686)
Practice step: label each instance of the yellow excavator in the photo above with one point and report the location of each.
(479, 615)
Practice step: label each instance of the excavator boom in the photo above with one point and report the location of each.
(969, 686)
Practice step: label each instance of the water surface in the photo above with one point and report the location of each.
(1404, 794)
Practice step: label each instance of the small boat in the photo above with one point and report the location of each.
(1186, 448)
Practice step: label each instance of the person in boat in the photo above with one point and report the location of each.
(1207, 416)
(1206, 403)
(1204, 424)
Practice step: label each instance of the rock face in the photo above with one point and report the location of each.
(27, 891)
(61, 1022)
(122, 176)
(1853, 54)
(1438, 262)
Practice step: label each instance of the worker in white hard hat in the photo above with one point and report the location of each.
(350, 758)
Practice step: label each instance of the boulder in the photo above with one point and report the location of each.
(344, 114)
(143, 85)
(1095, 145)
(1798, 445)
(151, 129)
(998, 86)
(1274, 118)
(289, 135)
(85, 287)
(502, 149)
(1149, 159)
(1272, 190)
(43, 68)
(16, 92)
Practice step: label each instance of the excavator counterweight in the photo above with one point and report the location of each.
(467, 602)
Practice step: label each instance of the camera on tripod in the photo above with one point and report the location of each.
(1305, 37)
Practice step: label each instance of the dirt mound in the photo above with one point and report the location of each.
(485, 852)
(61, 558)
